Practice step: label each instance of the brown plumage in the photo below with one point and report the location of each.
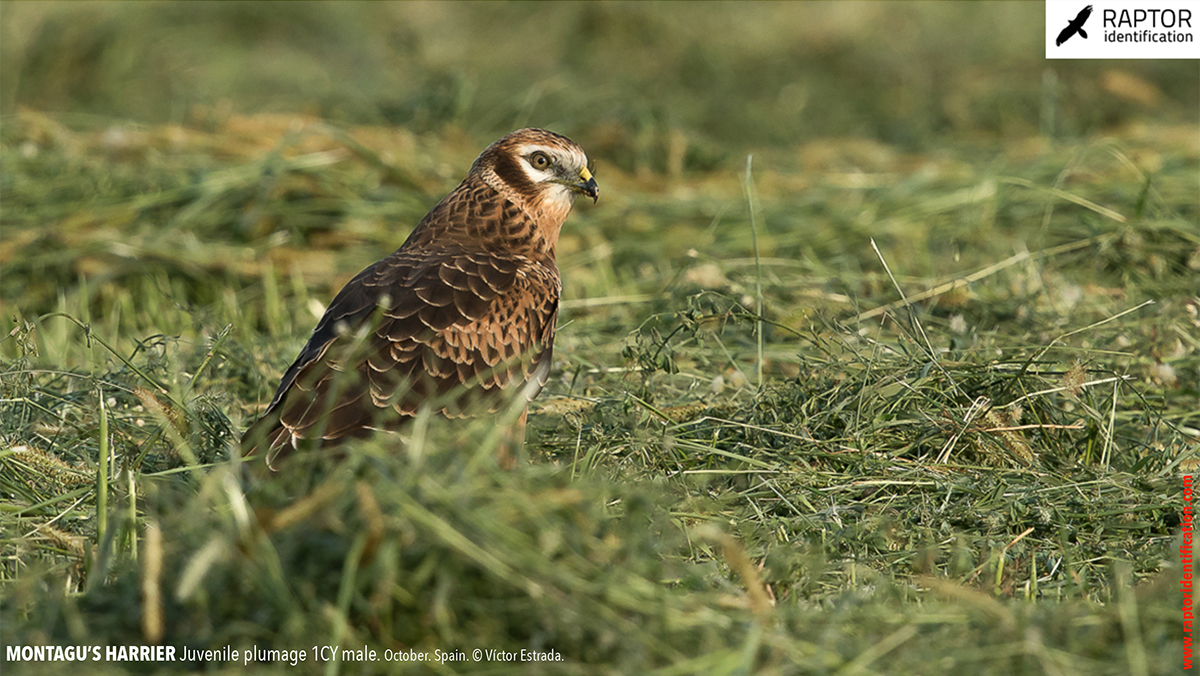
(460, 318)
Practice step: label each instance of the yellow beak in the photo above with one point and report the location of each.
(588, 185)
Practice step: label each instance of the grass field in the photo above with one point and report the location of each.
(880, 352)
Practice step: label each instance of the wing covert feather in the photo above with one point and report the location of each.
(464, 330)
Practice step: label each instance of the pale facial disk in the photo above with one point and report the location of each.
(567, 165)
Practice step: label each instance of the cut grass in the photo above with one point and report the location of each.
(967, 461)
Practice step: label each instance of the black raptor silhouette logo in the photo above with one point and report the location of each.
(1076, 26)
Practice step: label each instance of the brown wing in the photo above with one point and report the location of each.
(460, 331)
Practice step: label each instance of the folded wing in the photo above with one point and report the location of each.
(462, 332)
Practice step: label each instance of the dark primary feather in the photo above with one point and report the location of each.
(461, 317)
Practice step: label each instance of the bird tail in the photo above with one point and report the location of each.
(1082, 33)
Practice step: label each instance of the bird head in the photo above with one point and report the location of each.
(538, 168)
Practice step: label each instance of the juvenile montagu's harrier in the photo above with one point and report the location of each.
(460, 318)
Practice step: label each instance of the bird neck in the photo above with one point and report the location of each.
(477, 216)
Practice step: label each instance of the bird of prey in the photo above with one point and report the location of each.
(460, 318)
(1076, 26)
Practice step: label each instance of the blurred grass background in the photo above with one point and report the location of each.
(725, 74)
(756, 455)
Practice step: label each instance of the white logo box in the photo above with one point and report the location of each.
(1127, 29)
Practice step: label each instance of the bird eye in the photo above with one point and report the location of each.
(539, 160)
